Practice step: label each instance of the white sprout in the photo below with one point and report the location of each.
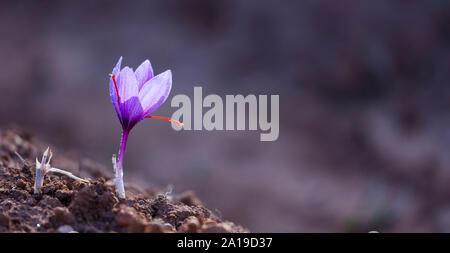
(20, 157)
(168, 194)
(118, 180)
(43, 167)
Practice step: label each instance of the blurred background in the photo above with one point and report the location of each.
(364, 103)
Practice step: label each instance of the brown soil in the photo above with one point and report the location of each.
(65, 205)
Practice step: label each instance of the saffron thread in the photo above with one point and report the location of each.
(115, 85)
(171, 120)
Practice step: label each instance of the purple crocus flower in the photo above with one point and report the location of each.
(135, 95)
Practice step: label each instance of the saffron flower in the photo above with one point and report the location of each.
(135, 95)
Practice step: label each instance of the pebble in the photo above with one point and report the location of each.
(126, 216)
(66, 229)
(63, 215)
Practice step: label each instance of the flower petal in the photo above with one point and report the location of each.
(127, 84)
(129, 107)
(132, 112)
(155, 92)
(116, 69)
(144, 73)
(112, 89)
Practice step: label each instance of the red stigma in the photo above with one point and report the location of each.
(171, 120)
(115, 85)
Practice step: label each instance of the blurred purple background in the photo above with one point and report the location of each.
(364, 103)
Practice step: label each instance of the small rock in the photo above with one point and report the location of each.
(158, 226)
(137, 226)
(126, 216)
(190, 225)
(214, 227)
(63, 215)
(66, 229)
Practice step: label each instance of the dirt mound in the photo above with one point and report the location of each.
(66, 205)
